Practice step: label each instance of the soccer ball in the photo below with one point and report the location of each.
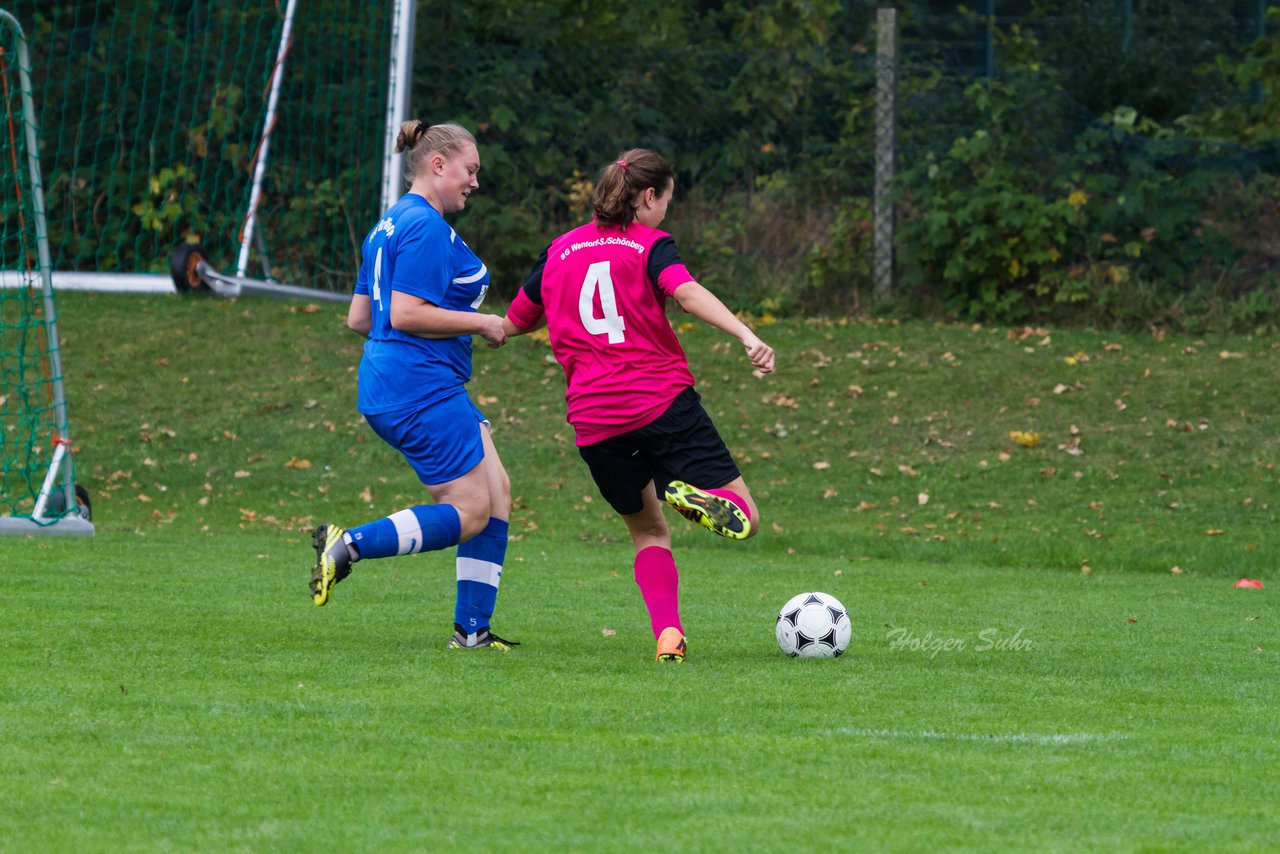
(813, 625)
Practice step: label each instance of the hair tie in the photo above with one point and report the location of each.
(623, 164)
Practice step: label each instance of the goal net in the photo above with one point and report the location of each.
(154, 114)
(37, 479)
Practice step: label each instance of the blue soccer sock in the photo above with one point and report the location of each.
(479, 571)
(424, 528)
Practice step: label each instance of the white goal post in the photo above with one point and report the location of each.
(56, 509)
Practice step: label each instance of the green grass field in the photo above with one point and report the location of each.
(1048, 650)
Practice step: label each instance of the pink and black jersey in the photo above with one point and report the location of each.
(604, 291)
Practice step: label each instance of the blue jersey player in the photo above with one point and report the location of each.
(416, 301)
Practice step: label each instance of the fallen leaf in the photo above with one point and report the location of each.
(1025, 438)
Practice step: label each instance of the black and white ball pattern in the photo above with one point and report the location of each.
(813, 625)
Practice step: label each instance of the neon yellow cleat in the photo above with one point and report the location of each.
(483, 639)
(716, 514)
(333, 561)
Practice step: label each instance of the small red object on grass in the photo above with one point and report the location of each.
(1248, 582)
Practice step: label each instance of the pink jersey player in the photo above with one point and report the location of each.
(601, 290)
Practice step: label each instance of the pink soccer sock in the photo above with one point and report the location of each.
(659, 582)
(736, 499)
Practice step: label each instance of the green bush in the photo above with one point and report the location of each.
(1131, 223)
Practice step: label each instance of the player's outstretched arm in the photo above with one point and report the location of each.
(512, 330)
(523, 316)
(418, 317)
(706, 306)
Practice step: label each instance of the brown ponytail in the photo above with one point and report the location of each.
(626, 178)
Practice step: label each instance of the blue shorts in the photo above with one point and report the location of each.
(441, 441)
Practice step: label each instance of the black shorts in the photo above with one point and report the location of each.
(680, 444)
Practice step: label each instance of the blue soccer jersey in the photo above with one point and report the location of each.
(413, 250)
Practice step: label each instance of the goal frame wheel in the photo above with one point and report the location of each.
(84, 507)
(184, 267)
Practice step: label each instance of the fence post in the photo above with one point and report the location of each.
(886, 144)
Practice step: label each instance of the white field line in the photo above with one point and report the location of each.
(1007, 738)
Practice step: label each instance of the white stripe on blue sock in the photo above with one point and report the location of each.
(483, 571)
(408, 530)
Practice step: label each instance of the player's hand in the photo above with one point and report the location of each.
(492, 330)
(760, 354)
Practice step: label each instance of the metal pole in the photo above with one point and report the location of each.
(886, 143)
(399, 89)
(62, 447)
(45, 261)
(260, 168)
